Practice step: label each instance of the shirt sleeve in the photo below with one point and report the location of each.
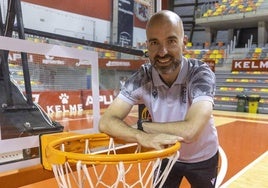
(202, 83)
(136, 86)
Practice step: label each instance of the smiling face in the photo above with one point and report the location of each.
(165, 37)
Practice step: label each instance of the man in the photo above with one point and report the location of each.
(178, 93)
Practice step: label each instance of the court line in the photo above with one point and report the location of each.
(245, 118)
(244, 170)
(223, 169)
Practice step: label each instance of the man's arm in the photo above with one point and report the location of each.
(112, 123)
(196, 119)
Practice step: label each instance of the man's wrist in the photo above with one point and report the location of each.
(140, 124)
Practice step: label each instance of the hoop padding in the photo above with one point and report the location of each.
(97, 154)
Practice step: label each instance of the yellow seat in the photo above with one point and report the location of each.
(187, 55)
(212, 56)
(258, 50)
(233, 5)
(249, 9)
(107, 54)
(209, 11)
(205, 15)
(229, 80)
(240, 7)
(244, 80)
(215, 52)
(216, 14)
(218, 56)
(189, 44)
(197, 52)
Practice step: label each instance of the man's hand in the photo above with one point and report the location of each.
(157, 141)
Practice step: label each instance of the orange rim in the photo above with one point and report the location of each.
(55, 156)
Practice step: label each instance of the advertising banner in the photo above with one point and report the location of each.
(71, 102)
(250, 65)
(125, 22)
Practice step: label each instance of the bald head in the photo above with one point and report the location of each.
(165, 17)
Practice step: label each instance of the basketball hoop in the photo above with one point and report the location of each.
(97, 160)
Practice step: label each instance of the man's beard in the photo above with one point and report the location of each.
(175, 63)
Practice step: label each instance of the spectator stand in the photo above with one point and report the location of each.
(206, 52)
(232, 84)
(226, 7)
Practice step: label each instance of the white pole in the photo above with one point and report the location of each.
(251, 39)
(234, 42)
(158, 5)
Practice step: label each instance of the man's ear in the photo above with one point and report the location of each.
(185, 40)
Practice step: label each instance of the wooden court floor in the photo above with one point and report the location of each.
(243, 137)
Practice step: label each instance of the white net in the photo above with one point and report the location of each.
(114, 173)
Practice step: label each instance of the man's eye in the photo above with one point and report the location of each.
(153, 43)
(172, 42)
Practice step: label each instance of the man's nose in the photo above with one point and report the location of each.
(162, 51)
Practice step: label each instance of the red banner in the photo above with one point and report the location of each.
(121, 64)
(106, 98)
(72, 102)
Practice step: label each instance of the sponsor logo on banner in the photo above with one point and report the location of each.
(106, 97)
(250, 65)
(59, 102)
(82, 62)
(72, 102)
(16, 57)
(50, 60)
(118, 63)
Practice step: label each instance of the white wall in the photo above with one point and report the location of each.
(65, 23)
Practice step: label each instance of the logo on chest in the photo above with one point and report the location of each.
(183, 93)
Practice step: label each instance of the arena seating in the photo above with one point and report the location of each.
(225, 7)
(206, 54)
(257, 53)
(16, 74)
(231, 84)
(106, 53)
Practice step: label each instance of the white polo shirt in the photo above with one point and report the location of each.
(195, 82)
